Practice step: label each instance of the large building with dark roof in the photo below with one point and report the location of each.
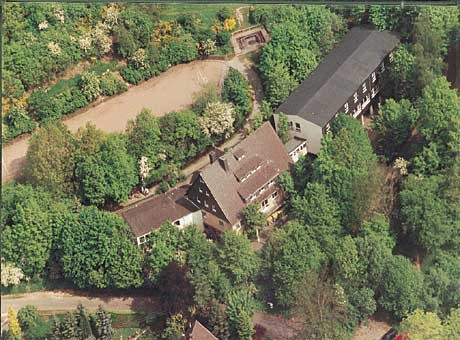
(247, 173)
(347, 81)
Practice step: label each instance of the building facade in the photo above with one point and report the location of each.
(347, 81)
(248, 173)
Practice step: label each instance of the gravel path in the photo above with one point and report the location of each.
(170, 91)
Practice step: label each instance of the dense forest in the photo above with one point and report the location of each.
(372, 226)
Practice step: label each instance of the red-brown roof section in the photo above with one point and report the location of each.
(151, 213)
(263, 151)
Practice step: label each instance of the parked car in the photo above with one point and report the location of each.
(390, 335)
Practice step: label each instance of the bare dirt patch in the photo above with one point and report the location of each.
(172, 90)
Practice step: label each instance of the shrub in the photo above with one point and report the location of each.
(18, 122)
(224, 13)
(111, 84)
(223, 37)
(49, 104)
(182, 49)
(131, 75)
(90, 85)
(208, 94)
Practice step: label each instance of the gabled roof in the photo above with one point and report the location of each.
(339, 75)
(151, 213)
(265, 158)
(199, 332)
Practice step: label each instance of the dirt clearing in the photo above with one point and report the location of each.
(170, 91)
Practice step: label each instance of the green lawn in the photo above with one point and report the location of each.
(207, 13)
(124, 333)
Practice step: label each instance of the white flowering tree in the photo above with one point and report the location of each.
(138, 59)
(401, 164)
(11, 275)
(54, 48)
(144, 171)
(90, 85)
(217, 119)
(111, 13)
(96, 40)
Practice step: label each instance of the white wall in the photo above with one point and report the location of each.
(195, 218)
(309, 131)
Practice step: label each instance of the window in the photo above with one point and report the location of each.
(355, 97)
(275, 194)
(291, 125)
(198, 199)
(207, 193)
(199, 189)
(213, 208)
(265, 203)
(391, 57)
(364, 88)
(328, 127)
(382, 67)
(206, 204)
(297, 127)
(345, 107)
(177, 222)
(374, 78)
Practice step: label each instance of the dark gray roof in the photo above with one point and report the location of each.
(339, 75)
(293, 143)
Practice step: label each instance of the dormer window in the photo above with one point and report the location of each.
(297, 127)
(364, 88)
(355, 97)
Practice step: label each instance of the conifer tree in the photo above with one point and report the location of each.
(55, 329)
(102, 323)
(69, 326)
(84, 327)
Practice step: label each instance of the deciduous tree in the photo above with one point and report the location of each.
(97, 251)
(236, 257)
(49, 158)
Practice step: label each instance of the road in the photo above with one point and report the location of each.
(172, 90)
(60, 301)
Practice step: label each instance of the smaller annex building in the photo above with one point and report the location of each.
(150, 214)
(347, 81)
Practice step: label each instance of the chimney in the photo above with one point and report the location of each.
(224, 163)
(212, 156)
